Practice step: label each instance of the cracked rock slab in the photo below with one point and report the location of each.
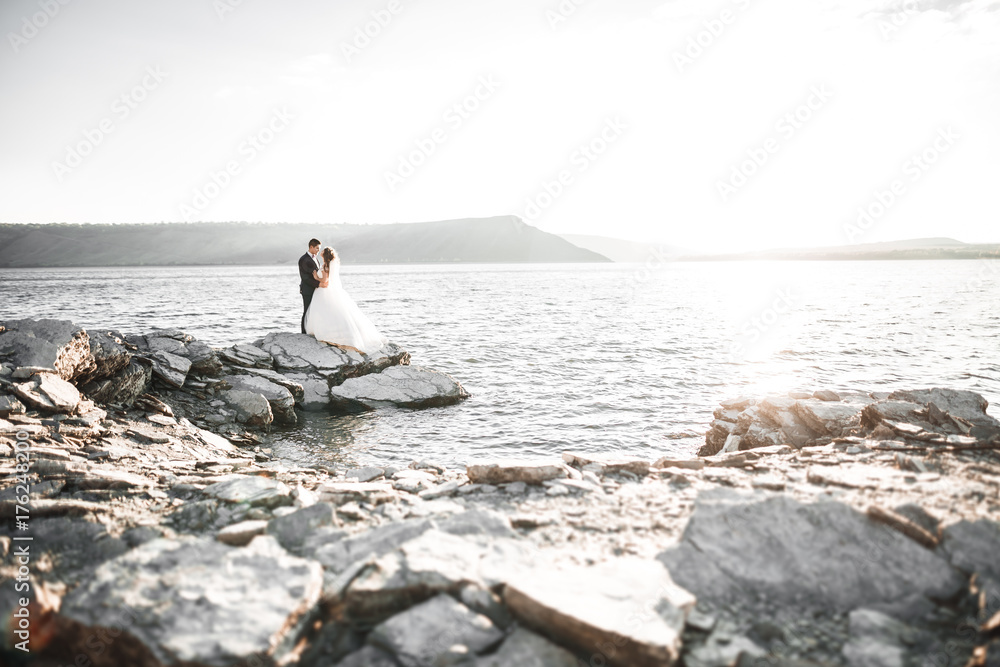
(194, 602)
(629, 603)
(824, 555)
(50, 393)
(398, 386)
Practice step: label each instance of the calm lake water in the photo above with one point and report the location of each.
(598, 358)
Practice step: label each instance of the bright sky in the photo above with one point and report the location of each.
(582, 116)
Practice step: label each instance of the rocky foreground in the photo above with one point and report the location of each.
(817, 528)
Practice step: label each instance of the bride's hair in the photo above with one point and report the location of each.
(328, 256)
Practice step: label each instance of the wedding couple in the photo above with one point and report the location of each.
(328, 312)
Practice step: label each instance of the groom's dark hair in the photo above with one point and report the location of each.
(314, 242)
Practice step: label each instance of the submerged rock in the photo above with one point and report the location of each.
(193, 602)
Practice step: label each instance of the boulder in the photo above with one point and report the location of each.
(505, 473)
(432, 563)
(281, 400)
(369, 656)
(49, 392)
(109, 354)
(251, 490)
(897, 411)
(204, 360)
(974, 547)
(420, 636)
(630, 606)
(293, 387)
(294, 530)
(399, 386)
(877, 640)
(824, 555)
(315, 392)
(125, 386)
(524, 648)
(55, 345)
(967, 405)
(252, 408)
(193, 602)
(170, 368)
(826, 417)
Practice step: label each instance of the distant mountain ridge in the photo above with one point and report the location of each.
(485, 240)
(922, 248)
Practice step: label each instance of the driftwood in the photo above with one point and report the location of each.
(899, 522)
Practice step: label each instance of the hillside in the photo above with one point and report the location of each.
(924, 248)
(488, 240)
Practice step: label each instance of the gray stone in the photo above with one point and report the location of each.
(504, 473)
(334, 642)
(441, 490)
(247, 356)
(826, 395)
(50, 393)
(967, 405)
(109, 355)
(824, 555)
(10, 406)
(170, 368)
(339, 556)
(369, 656)
(196, 601)
(974, 546)
(281, 400)
(524, 648)
(877, 640)
(251, 408)
(57, 345)
(486, 602)
(398, 386)
(419, 636)
(240, 534)
(315, 392)
(302, 352)
(251, 490)
(365, 474)
(629, 603)
(827, 418)
(293, 530)
(900, 411)
(478, 521)
(125, 386)
(722, 648)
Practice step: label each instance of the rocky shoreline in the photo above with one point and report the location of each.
(846, 528)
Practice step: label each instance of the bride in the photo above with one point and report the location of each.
(334, 318)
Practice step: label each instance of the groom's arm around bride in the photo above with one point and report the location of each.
(307, 281)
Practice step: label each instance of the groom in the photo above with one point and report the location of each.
(308, 263)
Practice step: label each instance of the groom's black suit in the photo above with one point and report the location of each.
(307, 285)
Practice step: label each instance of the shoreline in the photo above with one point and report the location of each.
(837, 529)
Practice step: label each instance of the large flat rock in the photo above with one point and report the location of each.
(630, 606)
(194, 602)
(251, 490)
(57, 345)
(398, 386)
(824, 555)
(49, 392)
(524, 471)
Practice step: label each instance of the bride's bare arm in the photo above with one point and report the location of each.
(323, 281)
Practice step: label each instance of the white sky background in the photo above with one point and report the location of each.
(558, 86)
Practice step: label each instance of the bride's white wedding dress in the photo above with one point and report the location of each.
(334, 318)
